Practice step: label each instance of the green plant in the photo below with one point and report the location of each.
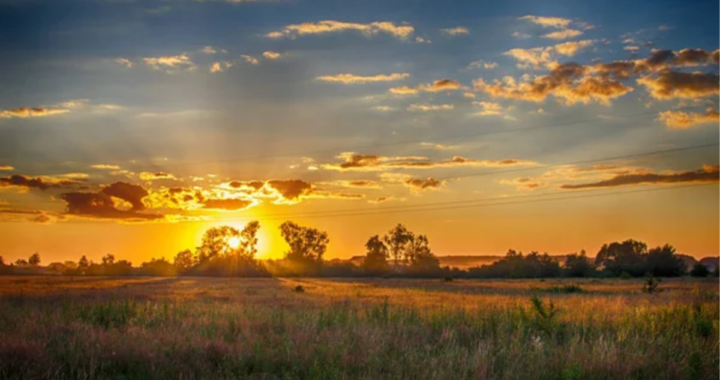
(544, 315)
(651, 284)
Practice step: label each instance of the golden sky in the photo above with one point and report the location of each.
(132, 127)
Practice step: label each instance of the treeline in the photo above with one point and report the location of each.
(226, 251)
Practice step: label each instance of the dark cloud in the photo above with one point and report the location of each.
(290, 189)
(18, 180)
(374, 163)
(709, 173)
(419, 184)
(674, 84)
(101, 204)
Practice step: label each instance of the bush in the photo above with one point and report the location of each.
(699, 270)
(565, 289)
(299, 289)
(651, 285)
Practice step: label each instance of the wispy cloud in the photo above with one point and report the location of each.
(401, 31)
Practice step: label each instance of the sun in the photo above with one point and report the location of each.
(234, 242)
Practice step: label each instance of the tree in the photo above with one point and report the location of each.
(247, 249)
(2, 261)
(397, 240)
(306, 244)
(699, 270)
(21, 262)
(663, 262)
(627, 256)
(108, 259)
(579, 265)
(34, 259)
(375, 261)
(216, 242)
(83, 263)
(420, 256)
(184, 260)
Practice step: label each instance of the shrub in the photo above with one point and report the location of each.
(448, 279)
(565, 289)
(651, 285)
(299, 289)
(699, 270)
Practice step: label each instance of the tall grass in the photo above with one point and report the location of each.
(205, 329)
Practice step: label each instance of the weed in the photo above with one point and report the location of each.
(651, 284)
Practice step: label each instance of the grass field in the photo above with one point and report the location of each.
(201, 328)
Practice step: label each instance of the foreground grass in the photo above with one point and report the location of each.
(356, 329)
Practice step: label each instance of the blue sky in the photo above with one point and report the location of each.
(131, 84)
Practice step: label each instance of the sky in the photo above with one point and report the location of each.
(131, 127)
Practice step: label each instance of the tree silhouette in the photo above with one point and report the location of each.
(579, 265)
(184, 260)
(248, 241)
(397, 241)
(83, 263)
(215, 242)
(34, 259)
(108, 259)
(421, 258)
(623, 257)
(699, 270)
(306, 244)
(375, 261)
(21, 262)
(663, 262)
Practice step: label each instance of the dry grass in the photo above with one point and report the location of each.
(60, 327)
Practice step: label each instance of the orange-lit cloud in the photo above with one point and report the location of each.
(430, 107)
(709, 173)
(674, 84)
(42, 183)
(329, 26)
(563, 34)
(439, 85)
(684, 120)
(358, 79)
(105, 167)
(170, 63)
(546, 57)
(26, 112)
(147, 176)
(420, 184)
(102, 204)
(457, 31)
(546, 22)
(360, 162)
(6, 168)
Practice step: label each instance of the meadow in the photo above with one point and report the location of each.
(304, 328)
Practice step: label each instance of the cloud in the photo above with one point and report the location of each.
(563, 34)
(418, 184)
(381, 199)
(546, 57)
(673, 84)
(489, 108)
(439, 85)
(329, 26)
(430, 107)
(290, 189)
(366, 184)
(218, 67)
(105, 167)
(6, 168)
(548, 22)
(170, 63)
(568, 82)
(102, 204)
(250, 59)
(35, 216)
(272, 55)
(208, 50)
(520, 35)
(229, 204)
(459, 30)
(124, 62)
(383, 108)
(147, 176)
(685, 120)
(709, 173)
(438, 146)
(421, 40)
(482, 64)
(357, 79)
(26, 112)
(41, 183)
(523, 183)
(359, 162)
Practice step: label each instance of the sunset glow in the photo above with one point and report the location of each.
(127, 129)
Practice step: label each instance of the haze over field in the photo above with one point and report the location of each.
(132, 127)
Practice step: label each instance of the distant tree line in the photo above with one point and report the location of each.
(228, 252)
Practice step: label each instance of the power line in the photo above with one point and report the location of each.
(469, 204)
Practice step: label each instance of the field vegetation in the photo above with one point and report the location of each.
(64, 327)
